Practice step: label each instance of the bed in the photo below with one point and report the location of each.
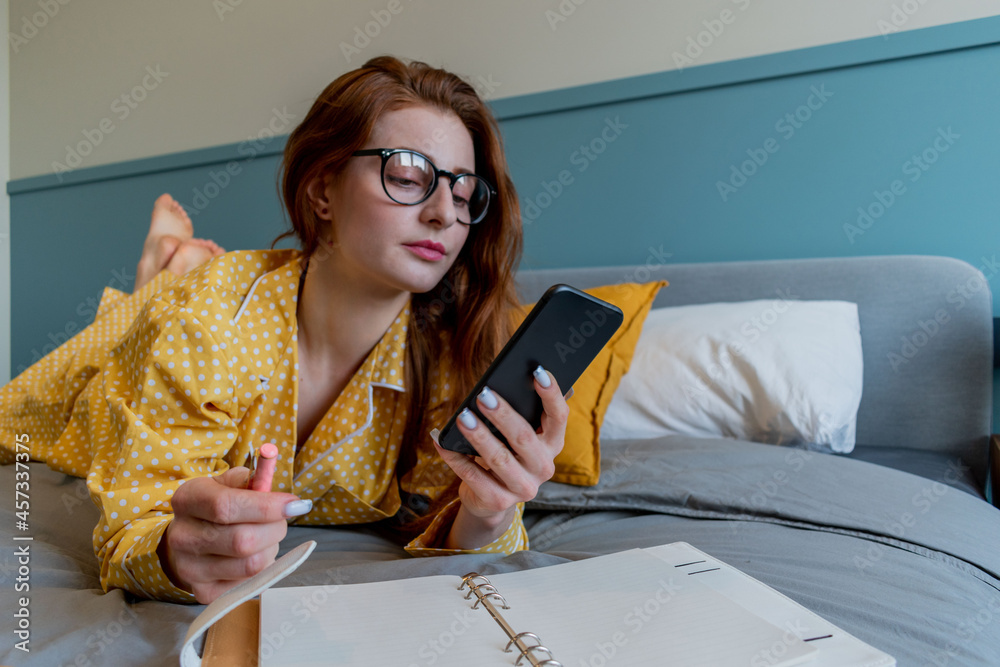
(894, 542)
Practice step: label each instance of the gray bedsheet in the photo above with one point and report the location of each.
(906, 563)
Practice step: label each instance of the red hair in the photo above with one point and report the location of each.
(471, 305)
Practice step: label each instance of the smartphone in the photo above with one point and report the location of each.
(563, 333)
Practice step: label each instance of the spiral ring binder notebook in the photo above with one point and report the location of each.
(671, 604)
(483, 592)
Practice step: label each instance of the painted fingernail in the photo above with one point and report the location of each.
(298, 508)
(488, 398)
(467, 418)
(542, 377)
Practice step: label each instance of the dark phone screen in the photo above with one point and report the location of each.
(563, 333)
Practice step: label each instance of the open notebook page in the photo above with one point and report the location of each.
(836, 647)
(629, 608)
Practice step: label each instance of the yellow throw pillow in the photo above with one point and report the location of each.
(580, 460)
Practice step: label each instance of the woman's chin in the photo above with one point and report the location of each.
(419, 282)
(423, 287)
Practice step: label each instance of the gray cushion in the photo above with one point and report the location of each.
(926, 331)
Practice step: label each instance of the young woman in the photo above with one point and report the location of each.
(345, 354)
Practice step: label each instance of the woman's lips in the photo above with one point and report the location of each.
(425, 252)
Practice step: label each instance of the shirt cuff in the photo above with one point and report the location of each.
(138, 568)
(426, 544)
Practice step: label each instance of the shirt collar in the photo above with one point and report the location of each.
(385, 364)
(276, 288)
(387, 359)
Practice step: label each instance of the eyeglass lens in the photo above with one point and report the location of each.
(409, 177)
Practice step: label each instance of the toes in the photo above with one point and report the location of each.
(164, 201)
(178, 210)
(190, 254)
(210, 245)
(215, 248)
(169, 218)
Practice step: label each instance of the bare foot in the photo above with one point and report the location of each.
(213, 246)
(169, 228)
(192, 253)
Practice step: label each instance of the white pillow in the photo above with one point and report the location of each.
(778, 371)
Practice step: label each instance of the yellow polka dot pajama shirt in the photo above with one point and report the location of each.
(187, 376)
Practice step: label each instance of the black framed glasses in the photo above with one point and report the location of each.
(409, 178)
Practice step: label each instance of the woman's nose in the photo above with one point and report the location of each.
(440, 206)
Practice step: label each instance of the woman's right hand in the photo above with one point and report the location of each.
(223, 533)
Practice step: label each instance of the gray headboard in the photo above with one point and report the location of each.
(926, 332)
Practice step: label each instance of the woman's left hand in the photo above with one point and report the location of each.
(500, 478)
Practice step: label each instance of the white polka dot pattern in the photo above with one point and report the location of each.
(165, 386)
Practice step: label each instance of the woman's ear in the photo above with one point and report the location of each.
(316, 191)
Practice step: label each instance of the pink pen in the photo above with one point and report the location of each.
(263, 473)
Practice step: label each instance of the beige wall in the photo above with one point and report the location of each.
(126, 79)
(213, 72)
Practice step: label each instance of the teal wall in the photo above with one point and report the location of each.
(658, 182)
(617, 172)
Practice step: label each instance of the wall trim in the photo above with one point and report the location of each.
(866, 51)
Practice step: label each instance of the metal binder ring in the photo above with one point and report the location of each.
(492, 594)
(475, 588)
(506, 649)
(469, 577)
(549, 663)
(529, 650)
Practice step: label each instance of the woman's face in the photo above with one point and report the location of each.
(372, 236)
